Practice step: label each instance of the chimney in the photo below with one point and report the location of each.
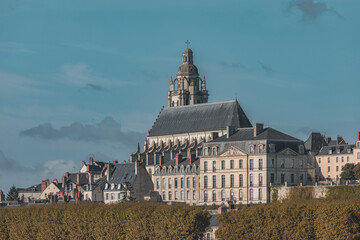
(91, 160)
(44, 184)
(192, 158)
(78, 178)
(90, 179)
(178, 158)
(67, 174)
(258, 128)
(88, 168)
(63, 181)
(108, 173)
(161, 160)
(56, 181)
(82, 163)
(358, 136)
(339, 140)
(115, 162)
(189, 152)
(229, 131)
(136, 167)
(328, 140)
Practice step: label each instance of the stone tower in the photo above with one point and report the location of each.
(187, 88)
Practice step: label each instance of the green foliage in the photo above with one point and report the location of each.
(300, 194)
(356, 171)
(345, 192)
(311, 219)
(13, 194)
(130, 220)
(347, 172)
(274, 195)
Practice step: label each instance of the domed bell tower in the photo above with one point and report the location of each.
(187, 88)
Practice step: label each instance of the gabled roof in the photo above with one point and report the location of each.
(199, 118)
(84, 178)
(123, 172)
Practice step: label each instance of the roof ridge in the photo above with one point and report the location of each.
(200, 104)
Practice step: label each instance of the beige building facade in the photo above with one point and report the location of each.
(331, 159)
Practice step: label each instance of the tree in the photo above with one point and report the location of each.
(356, 171)
(347, 172)
(13, 194)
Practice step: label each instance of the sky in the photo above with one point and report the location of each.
(88, 78)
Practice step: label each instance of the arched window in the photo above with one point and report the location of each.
(241, 194)
(205, 196)
(223, 195)
(231, 194)
(231, 164)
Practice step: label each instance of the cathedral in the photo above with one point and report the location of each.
(199, 153)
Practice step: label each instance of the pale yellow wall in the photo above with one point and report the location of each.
(51, 189)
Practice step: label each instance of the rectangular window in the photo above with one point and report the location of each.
(214, 166)
(231, 180)
(251, 180)
(272, 178)
(176, 182)
(157, 183)
(282, 178)
(260, 164)
(241, 197)
(231, 194)
(251, 164)
(119, 196)
(188, 182)
(272, 162)
(260, 179)
(164, 183)
(205, 166)
(214, 196)
(205, 196)
(223, 164)
(107, 196)
(231, 164)
(187, 195)
(182, 195)
(205, 181)
(194, 195)
(260, 194)
(328, 159)
(337, 168)
(251, 194)
(328, 169)
(240, 163)
(241, 181)
(292, 178)
(319, 160)
(214, 181)
(282, 163)
(170, 184)
(182, 182)
(170, 196)
(342, 159)
(112, 196)
(337, 159)
(223, 195)
(194, 183)
(223, 181)
(164, 196)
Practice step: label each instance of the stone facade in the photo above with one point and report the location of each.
(331, 158)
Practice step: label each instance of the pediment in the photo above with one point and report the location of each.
(232, 151)
(288, 151)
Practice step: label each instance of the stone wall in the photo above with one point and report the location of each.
(283, 192)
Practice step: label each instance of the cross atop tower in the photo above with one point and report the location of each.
(187, 43)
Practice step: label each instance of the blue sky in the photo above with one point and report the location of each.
(89, 77)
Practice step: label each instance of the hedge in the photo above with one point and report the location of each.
(312, 219)
(98, 221)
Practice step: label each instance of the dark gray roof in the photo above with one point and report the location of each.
(343, 149)
(123, 172)
(184, 162)
(244, 134)
(213, 221)
(199, 118)
(35, 188)
(315, 142)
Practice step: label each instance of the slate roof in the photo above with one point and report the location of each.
(213, 221)
(343, 149)
(315, 142)
(123, 172)
(245, 134)
(73, 177)
(34, 188)
(199, 118)
(184, 162)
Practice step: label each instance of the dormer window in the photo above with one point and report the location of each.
(214, 151)
(251, 150)
(261, 148)
(206, 152)
(272, 148)
(112, 186)
(330, 151)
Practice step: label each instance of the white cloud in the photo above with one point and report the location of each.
(57, 168)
